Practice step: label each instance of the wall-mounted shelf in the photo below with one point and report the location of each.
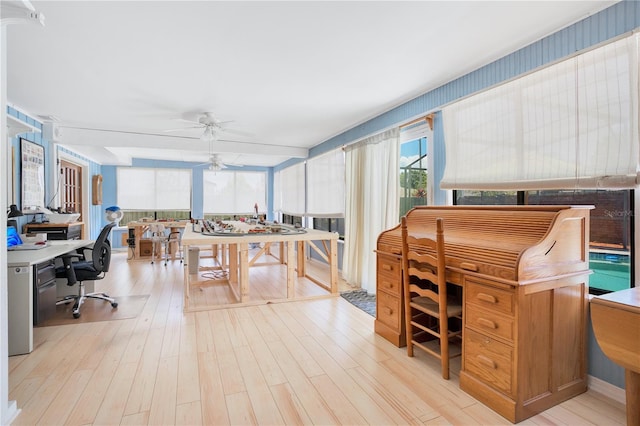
(16, 127)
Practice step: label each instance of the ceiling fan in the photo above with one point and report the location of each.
(216, 164)
(211, 126)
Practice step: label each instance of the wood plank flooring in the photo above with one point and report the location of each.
(304, 362)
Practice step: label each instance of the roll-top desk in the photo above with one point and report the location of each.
(524, 271)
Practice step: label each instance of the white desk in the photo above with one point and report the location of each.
(20, 276)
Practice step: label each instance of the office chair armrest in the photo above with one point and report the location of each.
(67, 261)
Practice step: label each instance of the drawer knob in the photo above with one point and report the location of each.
(487, 323)
(386, 267)
(388, 310)
(486, 361)
(487, 298)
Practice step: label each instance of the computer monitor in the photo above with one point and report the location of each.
(13, 238)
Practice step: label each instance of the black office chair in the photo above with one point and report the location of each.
(87, 269)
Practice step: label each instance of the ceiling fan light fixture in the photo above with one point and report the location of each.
(206, 135)
(209, 134)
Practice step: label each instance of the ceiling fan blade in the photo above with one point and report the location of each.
(184, 120)
(181, 128)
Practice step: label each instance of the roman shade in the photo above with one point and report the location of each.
(571, 125)
(325, 184)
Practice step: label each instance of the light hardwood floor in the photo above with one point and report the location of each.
(305, 362)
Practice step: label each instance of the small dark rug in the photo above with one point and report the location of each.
(362, 300)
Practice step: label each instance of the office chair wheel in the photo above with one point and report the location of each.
(114, 305)
(76, 315)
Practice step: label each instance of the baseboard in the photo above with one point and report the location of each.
(11, 414)
(606, 389)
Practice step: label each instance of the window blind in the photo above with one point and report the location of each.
(233, 192)
(153, 189)
(325, 185)
(290, 189)
(570, 125)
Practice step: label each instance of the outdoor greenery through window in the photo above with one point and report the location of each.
(611, 233)
(413, 174)
(137, 215)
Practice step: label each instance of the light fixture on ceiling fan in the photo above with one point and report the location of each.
(209, 134)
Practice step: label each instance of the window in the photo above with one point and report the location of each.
(291, 219)
(330, 225)
(148, 189)
(413, 174)
(611, 231)
(234, 192)
(137, 215)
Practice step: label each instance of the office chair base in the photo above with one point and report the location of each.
(79, 300)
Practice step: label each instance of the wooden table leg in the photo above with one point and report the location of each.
(233, 263)
(290, 270)
(301, 259)
(333, 266)
(632, 390)
(186, 282)
(244, 272)
(137, 237)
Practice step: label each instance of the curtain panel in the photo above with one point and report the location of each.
(571, 125)
(372, 182)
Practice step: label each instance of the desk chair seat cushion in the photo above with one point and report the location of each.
(454, 308)
(83, 270)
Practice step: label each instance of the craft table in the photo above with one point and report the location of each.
(239, 262)
(139, 229)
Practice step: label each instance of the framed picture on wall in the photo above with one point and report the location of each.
(32, 173)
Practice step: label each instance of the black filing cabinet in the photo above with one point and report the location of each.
(44, 291)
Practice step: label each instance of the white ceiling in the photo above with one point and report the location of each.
(288, 75)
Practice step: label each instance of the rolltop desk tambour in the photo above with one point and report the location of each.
(524, 272)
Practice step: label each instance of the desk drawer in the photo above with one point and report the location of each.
(489, 297)
(489, 322)
(389, 283)
(489, 360)
(389, 266)
(388, 310)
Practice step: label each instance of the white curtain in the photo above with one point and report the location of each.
(372, 205)
(570, 125)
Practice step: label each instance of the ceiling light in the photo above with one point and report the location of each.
(208, 135)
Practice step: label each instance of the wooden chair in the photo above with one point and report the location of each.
(427, 308)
